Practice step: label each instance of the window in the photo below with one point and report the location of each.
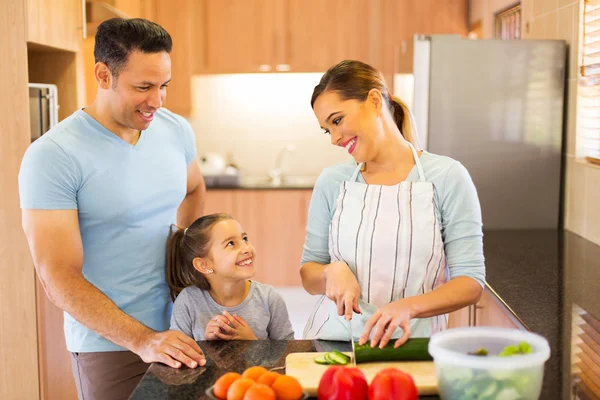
(588, 132)
(508, 23)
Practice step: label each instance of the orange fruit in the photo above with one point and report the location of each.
(238, 389)
(287, 388)
(222, 384)
(260, 391)
(268, 378)
(254, 373)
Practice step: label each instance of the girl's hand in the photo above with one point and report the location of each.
(214, 326)
(231, 327)
(342, 288)
(239, 328)
(385, 321)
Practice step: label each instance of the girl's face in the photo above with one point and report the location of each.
(231, 255)
(352, 124)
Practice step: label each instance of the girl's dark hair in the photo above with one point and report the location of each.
(353, 80)
(116, 38)
(183, 246)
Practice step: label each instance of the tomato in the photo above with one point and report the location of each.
(343, 383)
(391, 383)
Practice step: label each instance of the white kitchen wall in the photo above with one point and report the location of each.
(253, 116)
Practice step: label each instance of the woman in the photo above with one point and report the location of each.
(393, 234)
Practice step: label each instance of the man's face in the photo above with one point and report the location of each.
(140, 89)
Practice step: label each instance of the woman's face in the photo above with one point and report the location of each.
(352, 124)
(231, 254)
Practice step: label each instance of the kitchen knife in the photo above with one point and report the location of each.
(353, 359)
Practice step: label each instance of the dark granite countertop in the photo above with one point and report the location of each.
(540, 274)
(261, 187)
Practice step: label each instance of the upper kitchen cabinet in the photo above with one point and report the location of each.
(236, 36)
(402, 19)
(322, 33)
(58, 23)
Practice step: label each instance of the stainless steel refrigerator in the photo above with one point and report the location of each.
(497, 107)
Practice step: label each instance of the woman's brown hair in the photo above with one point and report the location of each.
(353, 80)
(183, 246)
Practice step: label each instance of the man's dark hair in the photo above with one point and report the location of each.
(116, 38)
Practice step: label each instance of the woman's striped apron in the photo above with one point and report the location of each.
(390, 237)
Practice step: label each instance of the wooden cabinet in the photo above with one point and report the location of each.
(312, 35)
(56, 375)
(404, 18)
(489, 311)
(18, 340)
(275, 221)
(57, 23)
(234, 36)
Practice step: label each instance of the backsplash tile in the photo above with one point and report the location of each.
(253, 116)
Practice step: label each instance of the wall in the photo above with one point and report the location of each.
(18, 336)
(254, 116)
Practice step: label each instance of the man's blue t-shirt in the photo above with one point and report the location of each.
(126, 196)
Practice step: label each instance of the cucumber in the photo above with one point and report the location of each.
(339, 358)
(415, 349)
(333, 358)
(344, 356)
(321, 360)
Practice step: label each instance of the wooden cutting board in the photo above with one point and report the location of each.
(302, 366)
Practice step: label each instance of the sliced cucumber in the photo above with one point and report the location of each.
(333, 358)
(345, 356)
(339, 358)
(321, 360)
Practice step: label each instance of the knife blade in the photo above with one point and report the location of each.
(353, 357)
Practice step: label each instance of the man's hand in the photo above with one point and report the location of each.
(171, 348)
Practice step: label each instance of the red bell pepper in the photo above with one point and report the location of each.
(343, 383)
(391, 383)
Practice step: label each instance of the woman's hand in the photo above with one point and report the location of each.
(232, 327)
(342, 288)
(385, 321)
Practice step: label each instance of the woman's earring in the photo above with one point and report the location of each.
(210, 271)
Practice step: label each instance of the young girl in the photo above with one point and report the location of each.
(209, 266)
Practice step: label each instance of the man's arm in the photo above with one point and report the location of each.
(192, 206)
(55, 243)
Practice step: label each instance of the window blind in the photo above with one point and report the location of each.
(588, 136)
(508, 23)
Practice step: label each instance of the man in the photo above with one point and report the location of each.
(99, 193)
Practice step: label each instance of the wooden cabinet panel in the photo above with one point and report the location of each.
(311, 35)
(311, 26)
(18, 340)
(460, 318)
(489, 311)
(56, 375)
(57, 23)
(236, 35)
(177, 21)
(275, 221)
(404, 18)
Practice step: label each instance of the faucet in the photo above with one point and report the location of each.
(277, 173)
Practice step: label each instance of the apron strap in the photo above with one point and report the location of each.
(417, 162)
(356, 172)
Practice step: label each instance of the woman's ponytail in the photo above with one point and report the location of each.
(405, 121)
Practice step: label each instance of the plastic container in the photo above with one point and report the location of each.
(462, 376)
